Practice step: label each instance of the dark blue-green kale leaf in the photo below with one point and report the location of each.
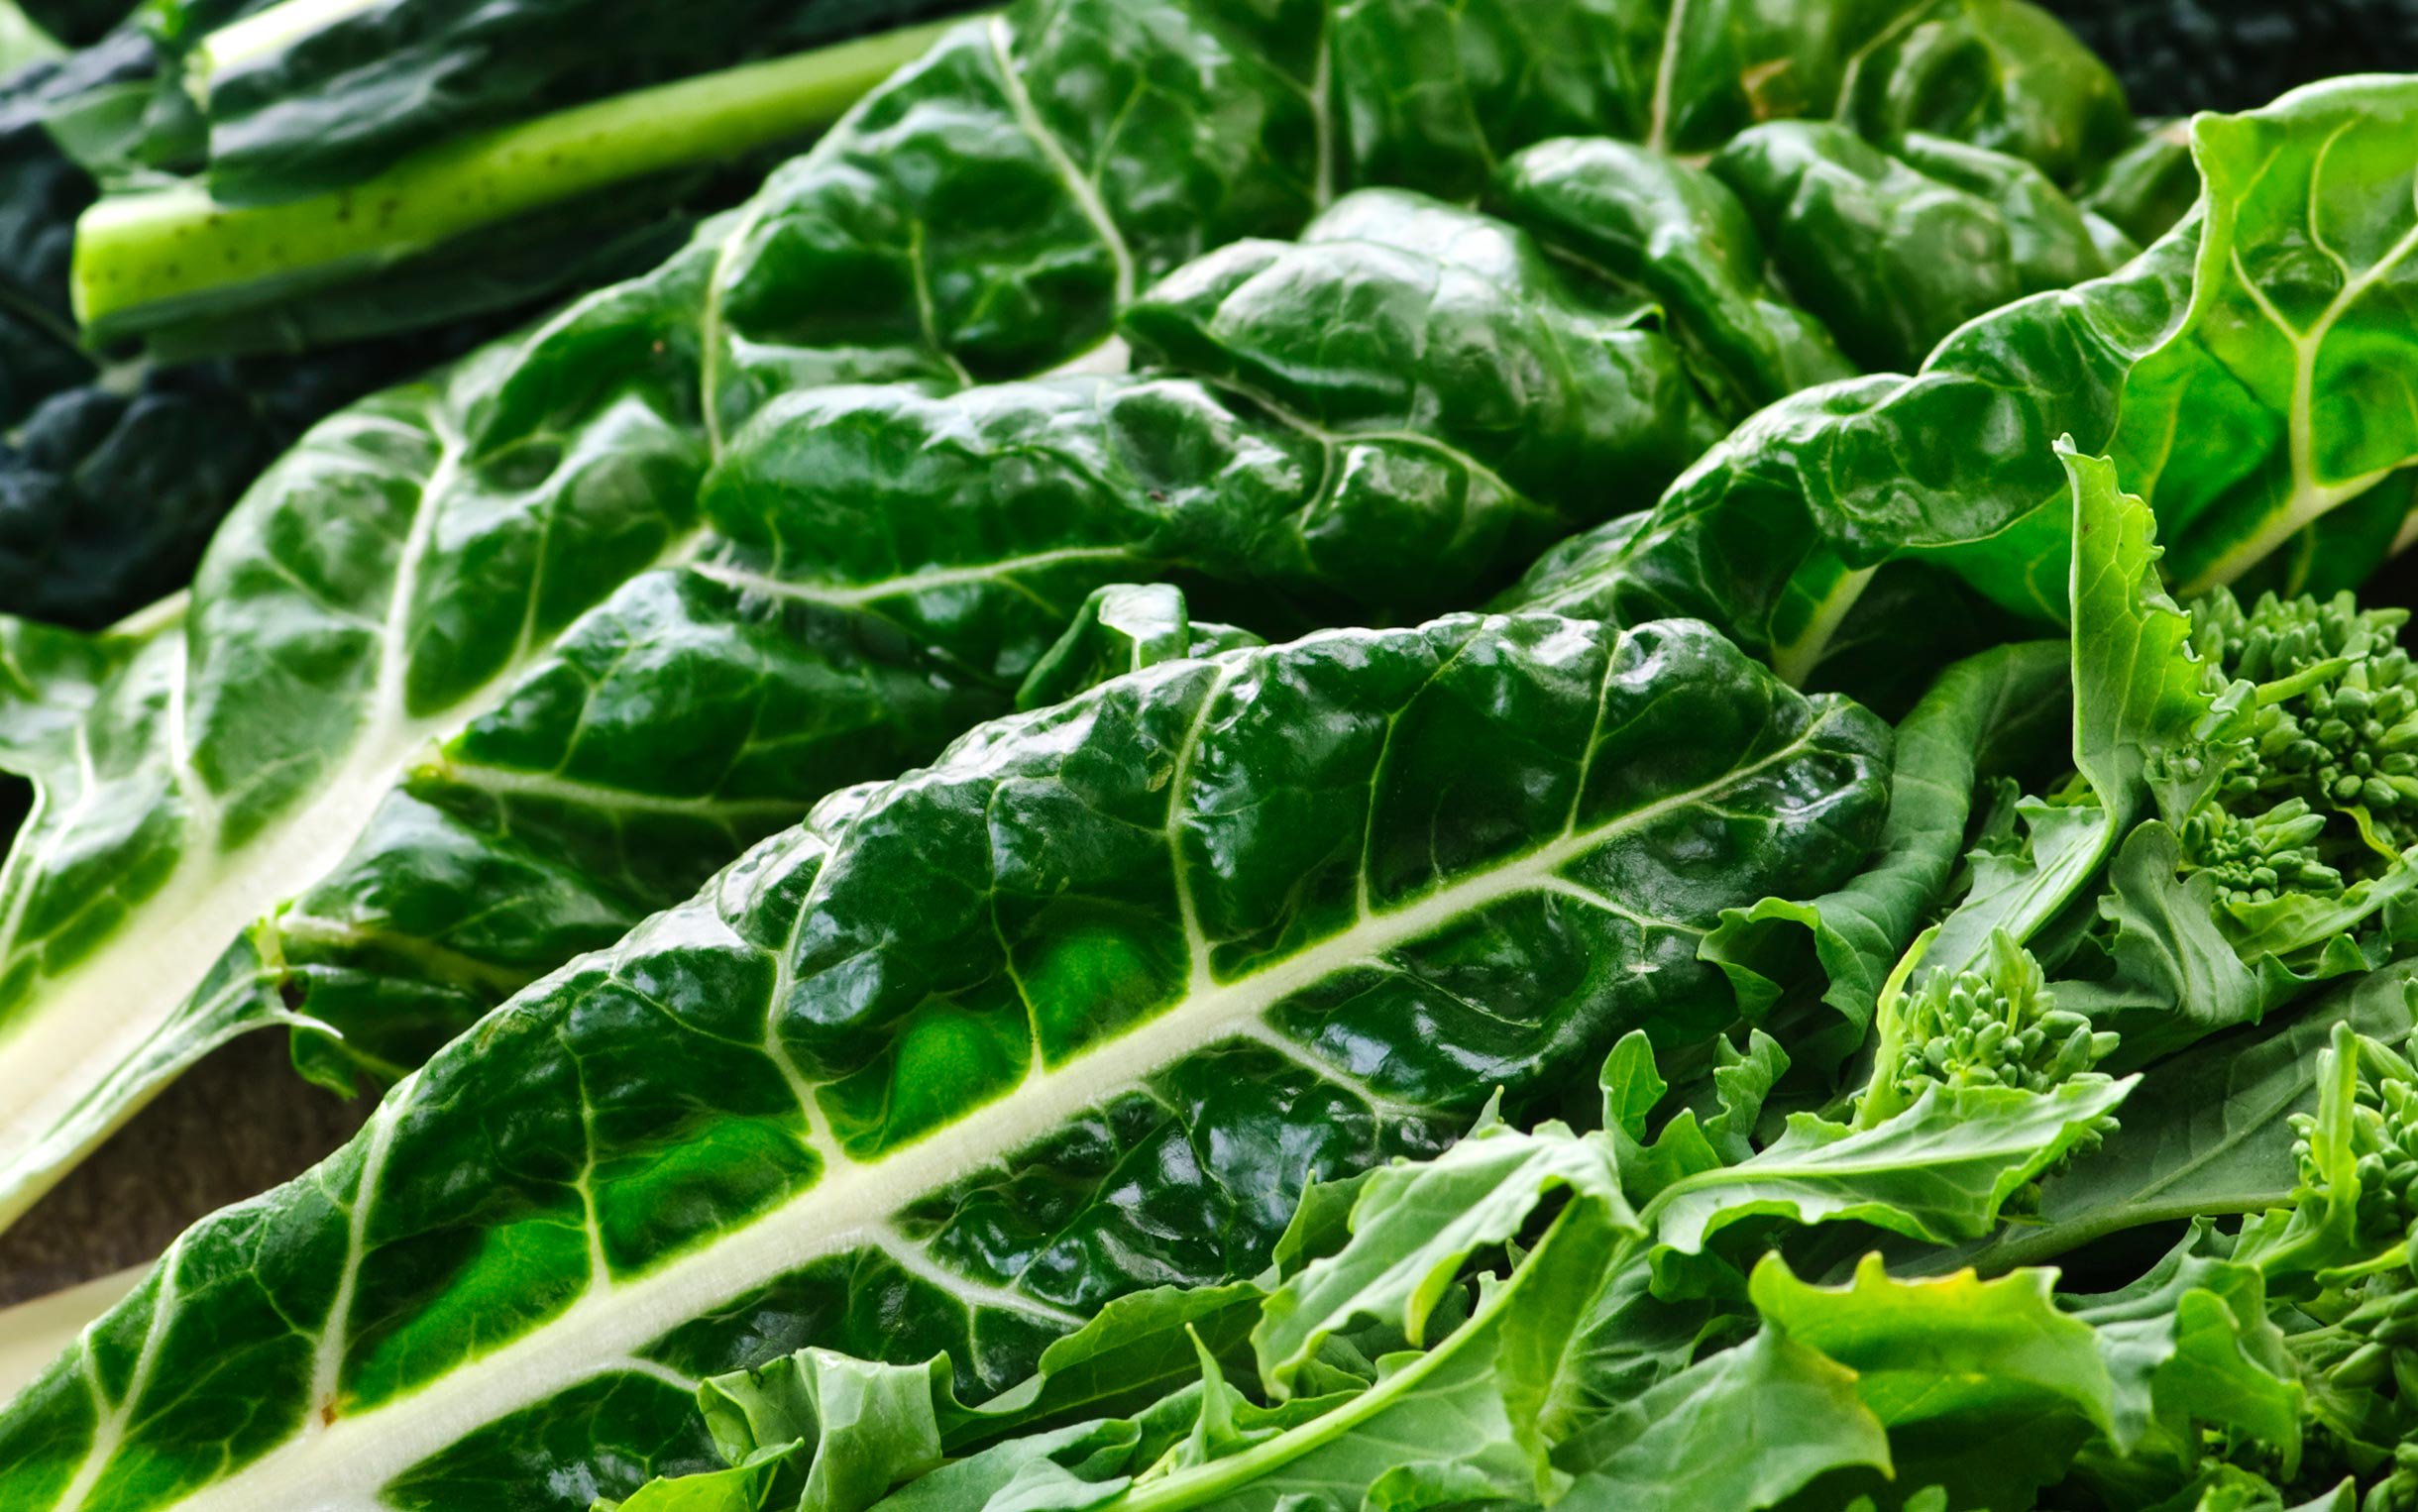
(2177, 56)
(348, 96)
(114, 471)
(74, 23)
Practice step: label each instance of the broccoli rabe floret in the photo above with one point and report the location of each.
(1998, 1026)
(2259, 856)
(2314, 778)
(2384, 1139)
(2337, 719)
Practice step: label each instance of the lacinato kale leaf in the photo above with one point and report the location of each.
(113, 472)
(2180, 55)
(295, 104)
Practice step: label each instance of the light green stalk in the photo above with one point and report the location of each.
(173, 248)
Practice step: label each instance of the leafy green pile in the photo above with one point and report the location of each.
(1838, 990)
(557, 634)
(115, 470)
(1756, 1288)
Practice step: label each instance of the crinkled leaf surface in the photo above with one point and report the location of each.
(489, 668)
(1075, 1012)
(2222, 370)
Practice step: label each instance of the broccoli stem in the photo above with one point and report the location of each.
(147, 257)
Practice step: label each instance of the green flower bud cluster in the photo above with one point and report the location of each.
(2347, 738)
(2386, 1354)
(2384, 1147)
(2326, 748)
(2257, 857)
(2000, 1027)
(2382, 1479)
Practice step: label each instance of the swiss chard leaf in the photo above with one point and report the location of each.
(1075, 1012)
(489, 668)
(2216, 369)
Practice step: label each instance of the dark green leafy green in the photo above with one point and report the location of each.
(2233, 830)
(2245, 391)
(305, 97)
(1076, 1011)
(490, 667)
(2180, 55)
(1395, 1381)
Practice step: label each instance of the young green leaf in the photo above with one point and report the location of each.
(2137, 695)
(1742, 1431)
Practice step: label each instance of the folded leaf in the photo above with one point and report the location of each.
(2218, 376)
(1994, 710)
(1413, 1228)
(2139, 693)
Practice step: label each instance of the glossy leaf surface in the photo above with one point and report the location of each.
(489, 668)
(2219, 371)
(1077, 1011)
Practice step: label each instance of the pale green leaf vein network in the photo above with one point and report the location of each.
(1079, 185)
(341, 1466)
(2311, 497)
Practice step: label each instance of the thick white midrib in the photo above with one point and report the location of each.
(94, 1018)
(1797, 661)
(97, 1016)
(342, 1466)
